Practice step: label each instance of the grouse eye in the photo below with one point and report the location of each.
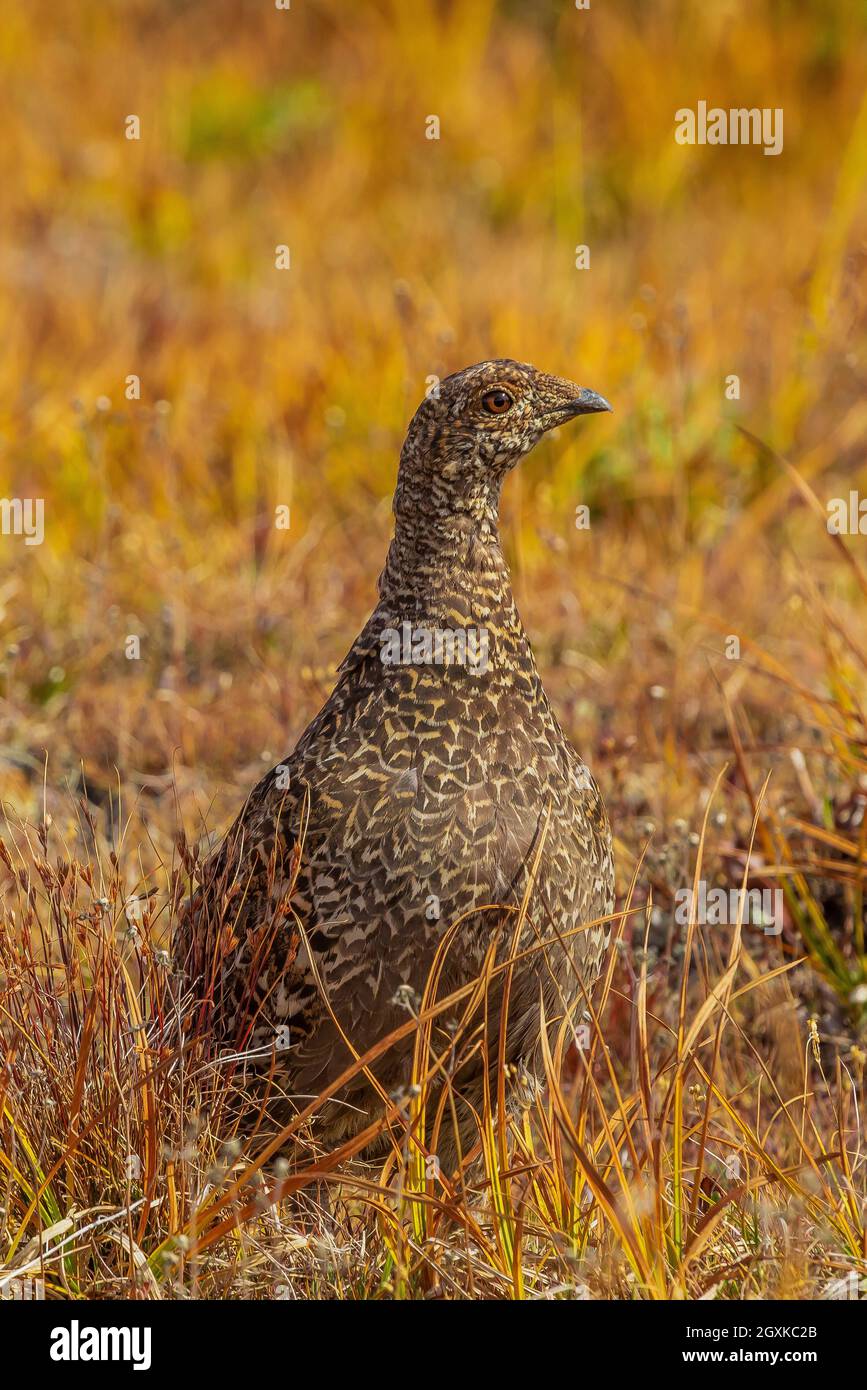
(497, 402)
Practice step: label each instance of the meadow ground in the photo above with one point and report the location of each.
(167, 642)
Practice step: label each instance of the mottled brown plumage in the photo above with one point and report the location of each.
(422, 793)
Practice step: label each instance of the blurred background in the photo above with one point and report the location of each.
(258, 387)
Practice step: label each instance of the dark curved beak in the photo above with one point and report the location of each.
(585, 403)
(564, 400)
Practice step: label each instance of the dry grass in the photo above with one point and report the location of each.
(708, 1140)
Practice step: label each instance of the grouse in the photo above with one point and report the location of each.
(434, 796)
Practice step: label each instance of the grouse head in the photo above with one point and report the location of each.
(474, 426)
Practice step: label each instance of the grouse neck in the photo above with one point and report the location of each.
(446, 571)
(439, 552)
